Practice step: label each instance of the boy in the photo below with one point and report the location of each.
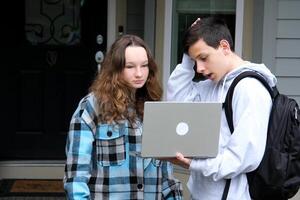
(208, 44)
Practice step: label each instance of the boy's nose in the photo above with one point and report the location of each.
(199, 67)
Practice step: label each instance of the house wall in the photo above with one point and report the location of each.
(287, 57)
(287, 49)
(281, 44)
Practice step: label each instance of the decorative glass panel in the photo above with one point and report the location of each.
(52, 22)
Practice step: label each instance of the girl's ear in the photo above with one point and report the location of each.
(225, 46)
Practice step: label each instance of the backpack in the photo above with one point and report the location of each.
(278, 174)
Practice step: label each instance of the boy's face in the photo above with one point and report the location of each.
(212, 63)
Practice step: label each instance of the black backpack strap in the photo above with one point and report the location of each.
(226, 189)
(227, 105)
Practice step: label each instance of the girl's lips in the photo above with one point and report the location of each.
(138, 82)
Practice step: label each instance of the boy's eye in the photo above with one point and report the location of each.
(203, 58)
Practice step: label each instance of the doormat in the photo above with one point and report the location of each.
(31, 187)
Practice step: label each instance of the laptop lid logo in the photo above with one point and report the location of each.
(182, 128)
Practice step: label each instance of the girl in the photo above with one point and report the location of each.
(104, 140)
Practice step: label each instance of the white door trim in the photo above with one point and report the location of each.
(32, 169)
(111, 22)
(167, 44)
(239, 22)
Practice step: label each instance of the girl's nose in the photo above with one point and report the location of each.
(138, 71)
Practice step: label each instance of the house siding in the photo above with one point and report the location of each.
(287, 57)
(287, 43)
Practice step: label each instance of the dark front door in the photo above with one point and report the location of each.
(50, 48)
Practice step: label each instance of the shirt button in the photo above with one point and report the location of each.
(139, 186)
(109, 133)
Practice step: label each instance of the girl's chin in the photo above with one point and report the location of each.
(137, 86)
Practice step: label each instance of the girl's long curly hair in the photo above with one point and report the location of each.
(117, 100)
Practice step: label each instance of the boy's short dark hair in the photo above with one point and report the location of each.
(211, 29)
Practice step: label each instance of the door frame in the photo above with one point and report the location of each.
(51, 169)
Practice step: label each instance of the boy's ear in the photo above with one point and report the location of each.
(225, 46)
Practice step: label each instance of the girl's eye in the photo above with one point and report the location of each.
(129, 66)
(145, 65)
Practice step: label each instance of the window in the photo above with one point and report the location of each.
(185, 12)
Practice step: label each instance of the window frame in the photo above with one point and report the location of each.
(168, 54)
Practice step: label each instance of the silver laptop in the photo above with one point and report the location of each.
(191, 128)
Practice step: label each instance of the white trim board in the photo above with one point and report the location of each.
(32, 169)
(111, 22)
(167, 45)
(239, 21)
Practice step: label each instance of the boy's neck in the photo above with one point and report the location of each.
(236, 61)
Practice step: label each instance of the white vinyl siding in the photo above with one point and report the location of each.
(289, 86)
(289, 9)
(287, 66)
(282, 46)
(287, 47)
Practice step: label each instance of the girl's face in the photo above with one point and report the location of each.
(136, 69)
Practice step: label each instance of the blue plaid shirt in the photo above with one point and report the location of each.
(103, 162)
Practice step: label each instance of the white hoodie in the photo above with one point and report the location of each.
(239, 152)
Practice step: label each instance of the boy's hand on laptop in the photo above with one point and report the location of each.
(183, 161)
(180, 160)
